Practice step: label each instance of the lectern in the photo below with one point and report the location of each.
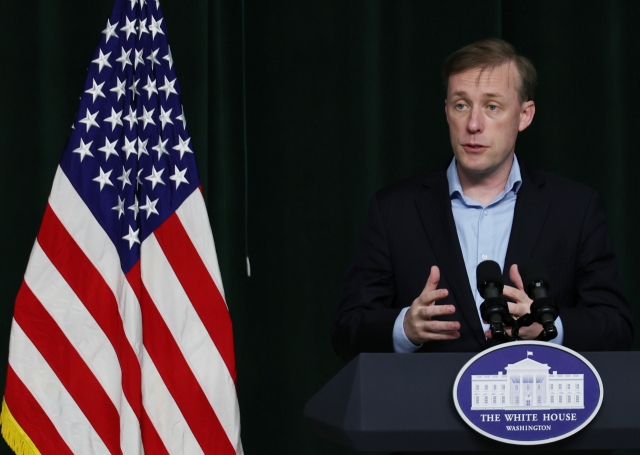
(403, 402)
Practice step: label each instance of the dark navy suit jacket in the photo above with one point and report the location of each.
(410, 227)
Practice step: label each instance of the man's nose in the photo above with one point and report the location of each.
(475, 124)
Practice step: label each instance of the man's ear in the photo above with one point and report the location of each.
(527, 112)
(446, 113)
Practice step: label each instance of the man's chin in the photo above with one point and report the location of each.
(476, 169)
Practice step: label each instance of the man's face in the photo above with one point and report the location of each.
(485, 116)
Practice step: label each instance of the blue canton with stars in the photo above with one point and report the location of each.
(129, 156)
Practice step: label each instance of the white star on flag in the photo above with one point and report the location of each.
(155, 177)
(146, 117)
(142, 147)
(109, 31)
(90, 120)
(169, 58)
(168, 87)
(150, 87)
(138, 181)
(119, 207)
(179, 177)
(134, 89)
(150, 207)
(124, 58)
(130, 28)
(139, 58)
(131, 118)
(142, 28)
(102, 61)
(161, 148)
(134, 207)
(155, 27)
(120, 87)
(153, 59)
(96, 90)
(183, 146)
(165, 117)
(83, 150)
(114, 119)
(124, 178)
(132, 237)
(182, 118)
(109, 148)
(103, 179)
(129, 147)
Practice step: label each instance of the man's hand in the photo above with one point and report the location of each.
(419, 325)
(520, 306)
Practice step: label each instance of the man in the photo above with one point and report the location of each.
(436, 229)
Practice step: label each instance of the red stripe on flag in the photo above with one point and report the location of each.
(69, 367)
(176, 374)
(32, 418)
(199, 286)
(88, 284)
(152, 443)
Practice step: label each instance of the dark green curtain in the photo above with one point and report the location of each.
(343, 98)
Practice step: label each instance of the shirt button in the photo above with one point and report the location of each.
(486, 212)
(484, 257)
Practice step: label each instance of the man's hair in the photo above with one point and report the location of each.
(488, 54)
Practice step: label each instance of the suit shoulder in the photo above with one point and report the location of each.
(400, 189)
(408, 188)
(561, 186)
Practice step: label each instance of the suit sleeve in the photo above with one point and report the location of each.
(600, 318)
(365, 315)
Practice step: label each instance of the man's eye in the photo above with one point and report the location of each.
(492, 107)
(460, 106)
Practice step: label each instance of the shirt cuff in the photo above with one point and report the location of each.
(560, 338)
(402, 344)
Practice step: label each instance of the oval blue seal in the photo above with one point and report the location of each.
(528, 392)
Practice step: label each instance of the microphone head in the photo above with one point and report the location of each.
(534, 276)
(488, 272)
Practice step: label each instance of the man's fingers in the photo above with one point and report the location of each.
(433, 280)
(432, 311)
(514, 294)
(439, 330)
(522, 301)
(428, 297)
(514, 274)
(529, 333)
(487, 334)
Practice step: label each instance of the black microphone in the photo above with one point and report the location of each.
(494, 309)
(543, 309)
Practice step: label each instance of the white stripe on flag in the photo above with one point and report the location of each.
(191, 336)
(87, 337)
(34, 371)
(76, 322)
(164, 412)
(195, 221)
(76, 217)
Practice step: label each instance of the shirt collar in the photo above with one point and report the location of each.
(514, 181)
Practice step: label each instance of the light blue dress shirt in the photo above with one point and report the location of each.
(483, 233)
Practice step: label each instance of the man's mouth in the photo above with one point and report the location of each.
(474, 147)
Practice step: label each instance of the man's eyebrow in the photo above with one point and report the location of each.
(486, 95)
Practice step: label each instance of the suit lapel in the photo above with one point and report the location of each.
(440, 228)
(529, 217)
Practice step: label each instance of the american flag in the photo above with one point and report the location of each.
(121, 340)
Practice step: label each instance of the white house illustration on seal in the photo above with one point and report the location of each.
(527, 384)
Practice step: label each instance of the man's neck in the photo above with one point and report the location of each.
(484, 187)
